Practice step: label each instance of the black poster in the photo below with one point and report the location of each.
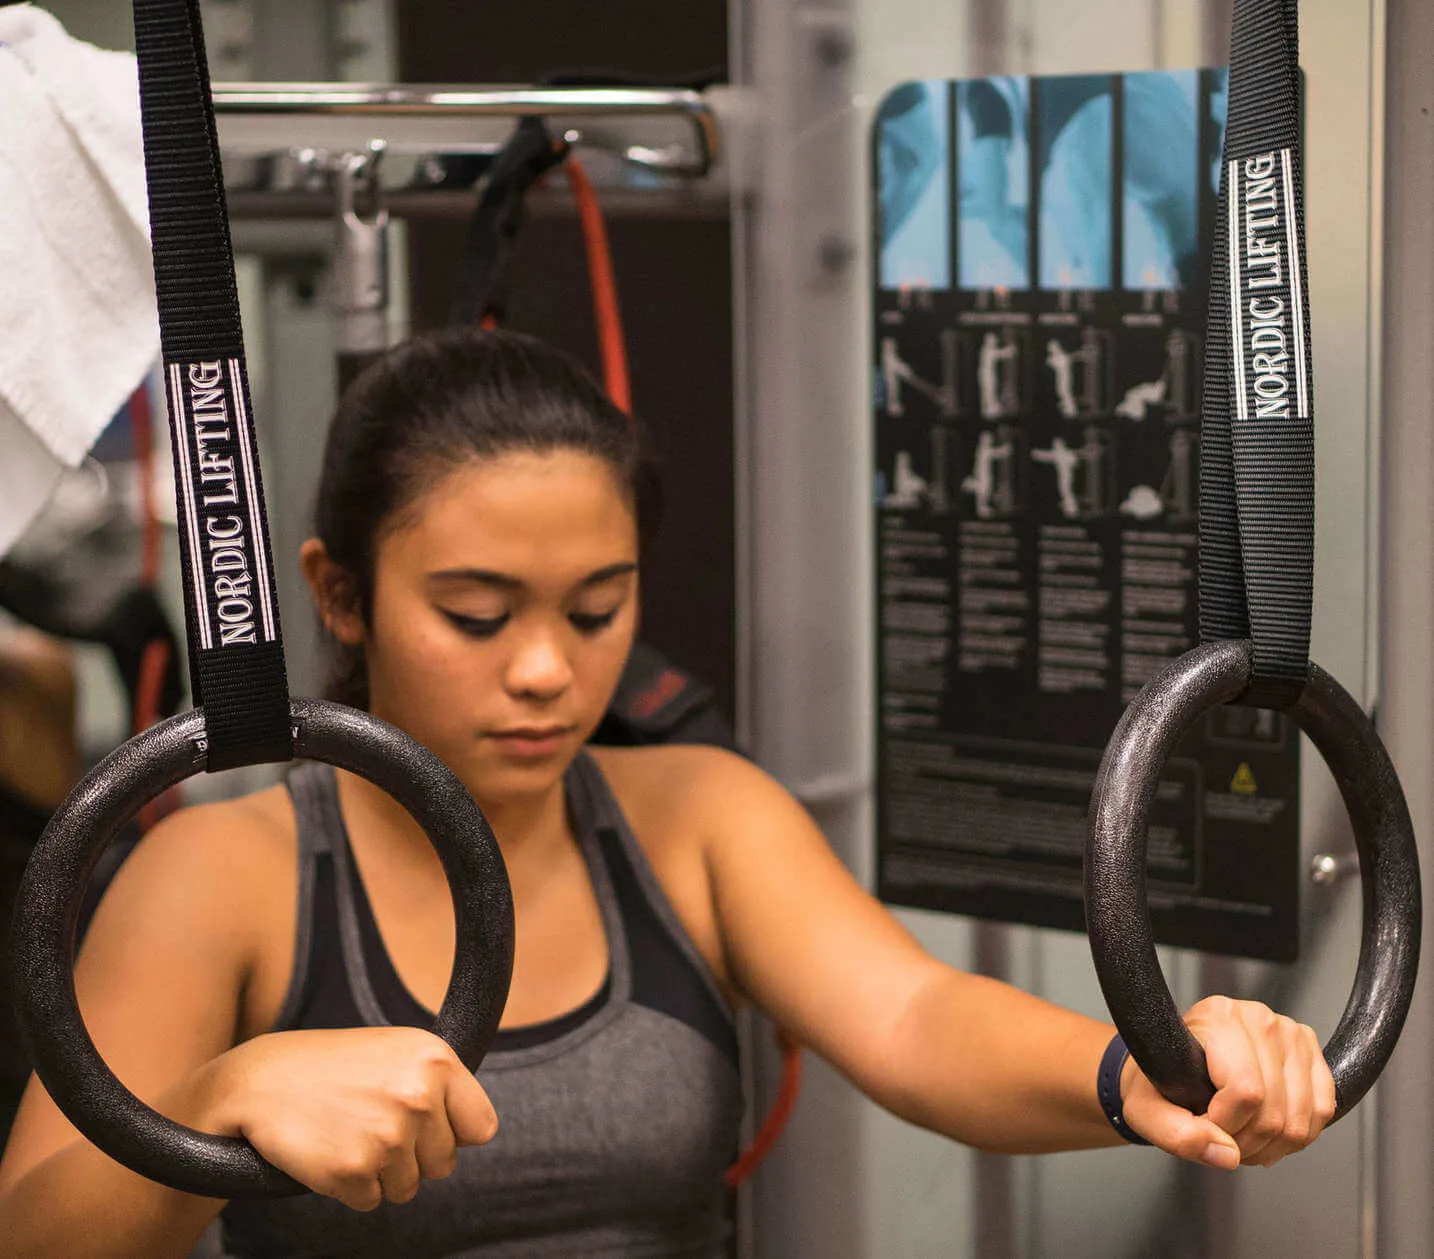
(1040, 276)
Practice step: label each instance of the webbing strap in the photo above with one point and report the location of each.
(481, 291)
(231, 607)
(1257, 431)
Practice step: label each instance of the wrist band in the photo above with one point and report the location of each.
(1107, 1089)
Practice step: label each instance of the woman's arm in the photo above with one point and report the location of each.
(159, 981)
(964, 1055)
(78, 1201)
(167, 983)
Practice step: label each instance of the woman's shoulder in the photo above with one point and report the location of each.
(255, 827)
(211, 890)
(689, 789)
(223, 860)
(672, 796)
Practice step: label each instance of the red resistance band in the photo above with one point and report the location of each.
(606, 312)
(776, 1121)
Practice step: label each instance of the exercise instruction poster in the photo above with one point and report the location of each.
(1039, 313)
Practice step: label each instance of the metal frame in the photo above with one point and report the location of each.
(1400, 1224)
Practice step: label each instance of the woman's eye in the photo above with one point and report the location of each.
(590, 623)
(477, 626)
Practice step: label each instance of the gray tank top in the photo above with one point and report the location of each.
(616, 1120)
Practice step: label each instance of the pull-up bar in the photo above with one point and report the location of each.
(348, 116)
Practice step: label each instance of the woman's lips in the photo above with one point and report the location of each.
(532, 742)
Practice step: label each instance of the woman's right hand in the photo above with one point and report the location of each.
(358, 1114)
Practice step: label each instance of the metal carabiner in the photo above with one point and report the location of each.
(360, 253)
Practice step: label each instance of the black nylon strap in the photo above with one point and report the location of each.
(481, 289)
(1257, 431)
(236, 654)
(1257, 467)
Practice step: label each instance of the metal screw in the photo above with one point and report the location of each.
(835, 253)
(1327, 869)
(833, 46)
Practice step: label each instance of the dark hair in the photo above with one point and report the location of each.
(440, 400)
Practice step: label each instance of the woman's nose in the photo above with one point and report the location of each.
(539, 668)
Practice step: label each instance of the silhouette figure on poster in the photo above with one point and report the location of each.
(992, 480)
(1176, 388)
(1083, 473)
(897, 374)
(1140, 398)
(1079, 374)
(1175, 499)
(907, 490)
(996, 374)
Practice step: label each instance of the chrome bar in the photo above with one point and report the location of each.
(250, 205)
(593, 105)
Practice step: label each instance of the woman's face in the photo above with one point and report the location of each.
(505, 603)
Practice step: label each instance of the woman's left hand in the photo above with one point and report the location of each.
(1274, 1093)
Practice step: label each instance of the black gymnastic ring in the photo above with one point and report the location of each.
(51, 892)
(1118, 918)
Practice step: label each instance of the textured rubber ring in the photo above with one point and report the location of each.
(1118, 917)
(51, 893)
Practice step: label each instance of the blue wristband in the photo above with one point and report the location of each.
(1107, 1088)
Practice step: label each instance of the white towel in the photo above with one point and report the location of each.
(78, 326)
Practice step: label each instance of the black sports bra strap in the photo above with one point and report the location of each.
(591, 806)
(311, 785)
(306, 790)
(597, 813)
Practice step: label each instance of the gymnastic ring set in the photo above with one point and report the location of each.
(1256, 560)
(1256, 572)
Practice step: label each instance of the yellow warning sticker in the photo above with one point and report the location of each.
(1243, 782)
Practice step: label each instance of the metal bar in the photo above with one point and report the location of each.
(457, 204)
(1405, 1212)
(404, 100)
(989, 29)
(994, 1226)
(1217, 15)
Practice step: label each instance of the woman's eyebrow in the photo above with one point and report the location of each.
(477, 576)
(609, 572)
(506, 581)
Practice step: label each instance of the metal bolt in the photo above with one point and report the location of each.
(833, 46)
(835, 253)
(1327, 869)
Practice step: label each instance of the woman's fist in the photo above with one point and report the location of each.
(1274, 1093)
(360, 1114)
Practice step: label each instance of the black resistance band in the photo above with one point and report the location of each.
(1257, 430)
(481, 291)
(236, 654)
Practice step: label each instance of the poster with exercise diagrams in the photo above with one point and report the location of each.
(1039, 312)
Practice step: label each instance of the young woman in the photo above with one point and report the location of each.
(263, 967)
